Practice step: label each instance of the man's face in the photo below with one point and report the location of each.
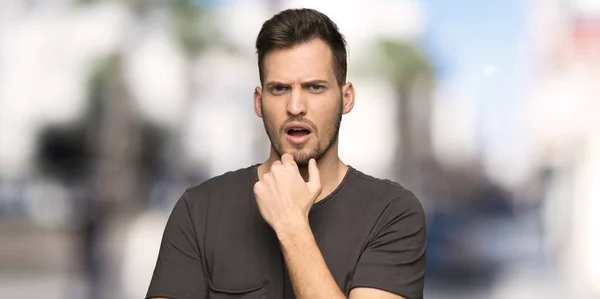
(301, 103)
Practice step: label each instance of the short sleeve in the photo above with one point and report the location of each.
(178, 273)
(394, 259)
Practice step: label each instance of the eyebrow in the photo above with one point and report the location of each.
(311, 82)
(276, 83)
(315, 82)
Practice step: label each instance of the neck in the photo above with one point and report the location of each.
(331, 169)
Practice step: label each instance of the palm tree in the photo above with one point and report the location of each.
(189, 25)
(195, 30)
(409, 71)
(114, 131)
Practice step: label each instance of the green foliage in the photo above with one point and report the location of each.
(189, 24)
(104, 74)
(401, 62)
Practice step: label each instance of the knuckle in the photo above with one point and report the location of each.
(318, 187)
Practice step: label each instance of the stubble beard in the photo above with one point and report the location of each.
(301, 154)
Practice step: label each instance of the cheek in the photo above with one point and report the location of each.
(326, 123)
(273, 121)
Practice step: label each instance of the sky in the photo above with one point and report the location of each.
(480, 49)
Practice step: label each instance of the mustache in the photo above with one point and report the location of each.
(299, 120)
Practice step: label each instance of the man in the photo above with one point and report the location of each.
(302, 224)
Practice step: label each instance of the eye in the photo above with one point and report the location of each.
(278, 89)
(316, 88)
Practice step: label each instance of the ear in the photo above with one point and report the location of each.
(257, 100)
(348, 94)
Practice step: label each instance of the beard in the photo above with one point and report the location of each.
(303, 154)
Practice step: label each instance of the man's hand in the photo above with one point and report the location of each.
(283, 197)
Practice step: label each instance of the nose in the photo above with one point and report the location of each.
(297, 103)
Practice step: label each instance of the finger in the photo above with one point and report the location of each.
(314, 177)
(275, 165)
(288, 159)
(267, 177)
(258, 188)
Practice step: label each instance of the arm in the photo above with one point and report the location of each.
(307, 269)
(308, 272)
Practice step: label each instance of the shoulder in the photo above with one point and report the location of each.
(227, 183)
(382, 189)
(379, 189)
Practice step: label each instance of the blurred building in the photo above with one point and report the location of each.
(566, 131)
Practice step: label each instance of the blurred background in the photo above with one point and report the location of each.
(485, 109)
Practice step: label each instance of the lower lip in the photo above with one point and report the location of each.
(297, 140)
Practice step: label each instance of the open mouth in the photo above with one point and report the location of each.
(298, 132)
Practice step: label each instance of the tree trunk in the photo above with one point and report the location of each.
(404, 147)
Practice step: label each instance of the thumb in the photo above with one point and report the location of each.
(314, 177)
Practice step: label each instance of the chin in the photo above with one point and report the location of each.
(302, 156)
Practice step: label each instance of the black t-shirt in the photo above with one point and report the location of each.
(371, 233)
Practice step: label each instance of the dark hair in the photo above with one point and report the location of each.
(292, 27)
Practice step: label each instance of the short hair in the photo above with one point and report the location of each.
(293, 27)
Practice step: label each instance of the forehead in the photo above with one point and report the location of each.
(307, 61)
